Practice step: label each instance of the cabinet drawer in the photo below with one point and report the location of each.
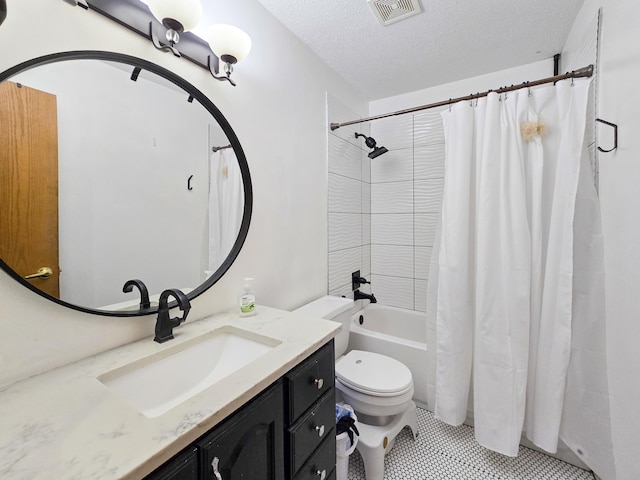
(312, 429)
(310, 380)
(322, 463)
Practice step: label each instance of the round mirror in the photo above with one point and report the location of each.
(116, 176)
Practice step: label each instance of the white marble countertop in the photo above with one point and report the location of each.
(65, 424)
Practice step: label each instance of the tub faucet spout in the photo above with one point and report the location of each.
(358, 295)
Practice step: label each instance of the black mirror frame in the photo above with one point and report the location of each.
(210, 107)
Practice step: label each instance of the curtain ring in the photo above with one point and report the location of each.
(477, 98)
(449, 105)
(572, 81)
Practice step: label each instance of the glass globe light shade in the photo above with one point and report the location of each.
(227, 40)
(187, 12)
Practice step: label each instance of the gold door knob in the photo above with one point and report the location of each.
(44, 272)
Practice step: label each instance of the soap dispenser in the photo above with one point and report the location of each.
(247, 299)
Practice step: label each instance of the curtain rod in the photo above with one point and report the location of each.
(581, 72)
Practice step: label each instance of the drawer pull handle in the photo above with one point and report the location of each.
(214, 467)
(320, 430)
(319, 383)
(322, 474)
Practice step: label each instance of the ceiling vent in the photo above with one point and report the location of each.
(391, 11)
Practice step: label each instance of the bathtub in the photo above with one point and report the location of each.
(396, 333)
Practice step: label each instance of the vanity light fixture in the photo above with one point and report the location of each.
(3, 10)
(177, 17)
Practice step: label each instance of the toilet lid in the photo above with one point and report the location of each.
(369, 372)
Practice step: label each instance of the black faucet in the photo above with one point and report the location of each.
(144, 293)
(166, 324)
(358, 295)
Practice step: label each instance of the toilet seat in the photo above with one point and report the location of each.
(374, 374)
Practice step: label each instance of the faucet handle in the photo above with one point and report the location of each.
(357, 280)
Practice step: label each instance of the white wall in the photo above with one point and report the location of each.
(278, 111)
(618, 99)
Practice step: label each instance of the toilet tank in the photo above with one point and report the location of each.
(333, 308)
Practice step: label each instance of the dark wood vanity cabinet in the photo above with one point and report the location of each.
(286, 432)
(183, 466)
(249, 444)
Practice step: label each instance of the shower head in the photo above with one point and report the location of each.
(377, 151)
(371, 143)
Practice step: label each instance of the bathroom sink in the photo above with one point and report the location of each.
(156, 384)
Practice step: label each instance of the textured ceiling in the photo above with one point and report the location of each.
(450, 40)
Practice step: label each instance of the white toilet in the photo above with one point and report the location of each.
(379, 388)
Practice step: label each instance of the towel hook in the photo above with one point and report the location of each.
(615, 135)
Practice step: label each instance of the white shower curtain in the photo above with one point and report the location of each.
(502, 290)
(226, 205)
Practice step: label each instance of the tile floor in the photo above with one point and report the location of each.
(442, 452)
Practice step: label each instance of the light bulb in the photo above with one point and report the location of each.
(187, 12)
(229, 43)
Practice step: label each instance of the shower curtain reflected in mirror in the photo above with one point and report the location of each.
(226, 204)
(501, 288)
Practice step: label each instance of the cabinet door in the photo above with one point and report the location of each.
(183, 466)
(249, 445)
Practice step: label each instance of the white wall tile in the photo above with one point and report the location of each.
(393, 166)
(394, 291)
(420, 295)
(345, 231)
(342, 290)
(422, 259)
(392, 229)
(365, 175)
(345, 195)
(428, 195)
(394, 201)
(365, 269)
(341, 264)
(425, 228)
(394, 197)
(366, 229)
(429, 161)
(344, 158)
(392, 260)
(428, 127)
(393, 132)
(366, 197)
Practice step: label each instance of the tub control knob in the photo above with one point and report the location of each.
(322, 474)
(319, 383)
(320, 430)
